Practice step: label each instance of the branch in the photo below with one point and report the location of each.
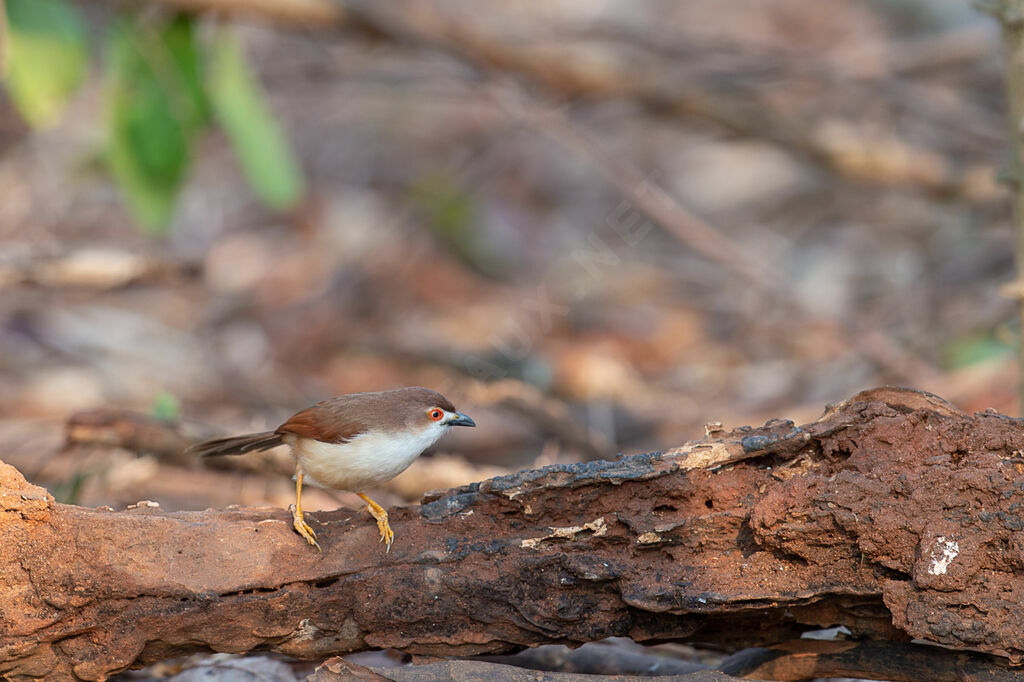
(894, 514)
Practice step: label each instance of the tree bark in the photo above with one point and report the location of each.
(894, 514)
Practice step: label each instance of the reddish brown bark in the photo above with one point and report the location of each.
(894, 514)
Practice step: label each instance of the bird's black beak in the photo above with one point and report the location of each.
(461, 420)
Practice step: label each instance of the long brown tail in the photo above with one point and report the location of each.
(237, 445)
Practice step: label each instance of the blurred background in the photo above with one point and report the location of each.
(595, 226)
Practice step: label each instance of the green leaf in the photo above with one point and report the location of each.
(260, 146)
(185, 75)
(166, 407)
(452, 213)
(69, 490)
(974, 348)
(46, 57)
(156, 108)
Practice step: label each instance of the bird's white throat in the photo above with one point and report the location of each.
(366, 460)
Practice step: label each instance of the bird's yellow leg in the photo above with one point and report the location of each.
(297, 520)
(386, 534)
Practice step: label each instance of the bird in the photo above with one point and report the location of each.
(352, 442)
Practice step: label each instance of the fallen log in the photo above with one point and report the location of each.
(894, 514)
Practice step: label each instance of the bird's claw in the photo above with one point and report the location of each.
(387, 536)
(378, 512)
(303, 529)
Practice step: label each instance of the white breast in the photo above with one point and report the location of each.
(364, 461)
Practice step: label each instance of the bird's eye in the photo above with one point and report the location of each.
(436, 414)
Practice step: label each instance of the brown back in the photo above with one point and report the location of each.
(338, 420)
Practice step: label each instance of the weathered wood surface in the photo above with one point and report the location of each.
(894, 514)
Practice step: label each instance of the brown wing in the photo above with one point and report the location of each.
(323, 423)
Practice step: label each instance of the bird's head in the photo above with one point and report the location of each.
(427, 409)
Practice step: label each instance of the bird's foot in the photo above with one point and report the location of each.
(387, 536)
(303, 529)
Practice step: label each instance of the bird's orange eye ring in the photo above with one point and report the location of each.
(436, 415)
